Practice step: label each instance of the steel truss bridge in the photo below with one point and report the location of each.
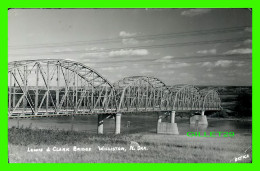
(55, 87)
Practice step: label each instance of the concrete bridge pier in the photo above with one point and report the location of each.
(167, 128)
(174, 127)
(159, 121)
(102, 117)
(173, 117)
(118, 123)
(203, 119)
(194, 119)
(100, 124)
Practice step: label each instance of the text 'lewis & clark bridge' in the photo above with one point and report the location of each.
(56, 87)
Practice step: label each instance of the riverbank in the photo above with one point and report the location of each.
(56, 146)
(231, 119)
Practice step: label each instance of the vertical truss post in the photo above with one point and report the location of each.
(67, 90)
(58, 89)
(147, 94)
(36, 89)
(138, 96)
(25, 90)
(154, 96)
(76, 94)
(73, 91)
(92, 93)
(48, 87)
(10, 92)
(161, 95)
(14, 90)
(85, 96)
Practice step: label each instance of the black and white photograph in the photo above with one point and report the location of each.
(130, 85)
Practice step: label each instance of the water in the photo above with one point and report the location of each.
(132, 124)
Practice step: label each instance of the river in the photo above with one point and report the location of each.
(132, 124)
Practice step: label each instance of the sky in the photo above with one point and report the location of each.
(178, 46)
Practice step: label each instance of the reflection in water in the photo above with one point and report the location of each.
(131, 124)
(198, 127)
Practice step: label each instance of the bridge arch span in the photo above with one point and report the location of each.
(140, 93)
(56, 87)
(81, 69)
(184, 97)
(210, 99)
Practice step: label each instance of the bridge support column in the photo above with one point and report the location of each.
(100, 124)
(118, 123)
(173, 126)
(159, 119)
(173, 117)
(167, 128)
(158, 123)
(203, 119)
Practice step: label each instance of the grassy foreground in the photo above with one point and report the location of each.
(159, 148)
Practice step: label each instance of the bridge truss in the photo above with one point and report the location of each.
(52, 87)
(55, 87)
(140, 93)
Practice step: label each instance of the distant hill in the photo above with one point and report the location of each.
(233, 99)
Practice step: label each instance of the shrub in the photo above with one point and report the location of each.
(243, 107)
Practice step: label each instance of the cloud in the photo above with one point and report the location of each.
(130, 41)
(136, 65)
(196, 11)
(169, 72)
(209, 51)
(146, 71)
(148, 41)
(121, 52)
(95, 54)
(126, 34)
(93, 48)
(239, 51)
(70, 59)
(207, 64)
(184, 74)
(245, 42)
(240, 63)
(248, 41)
(185, 78)
(133, 41)
(114, 68)
(129, 52)
(176, 65)
(210, 75)
(248, 29)
(62, 50)
(165, 59)
(223, 63)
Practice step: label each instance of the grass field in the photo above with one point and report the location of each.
(159, 148)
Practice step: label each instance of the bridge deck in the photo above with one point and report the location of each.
(52, 113)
